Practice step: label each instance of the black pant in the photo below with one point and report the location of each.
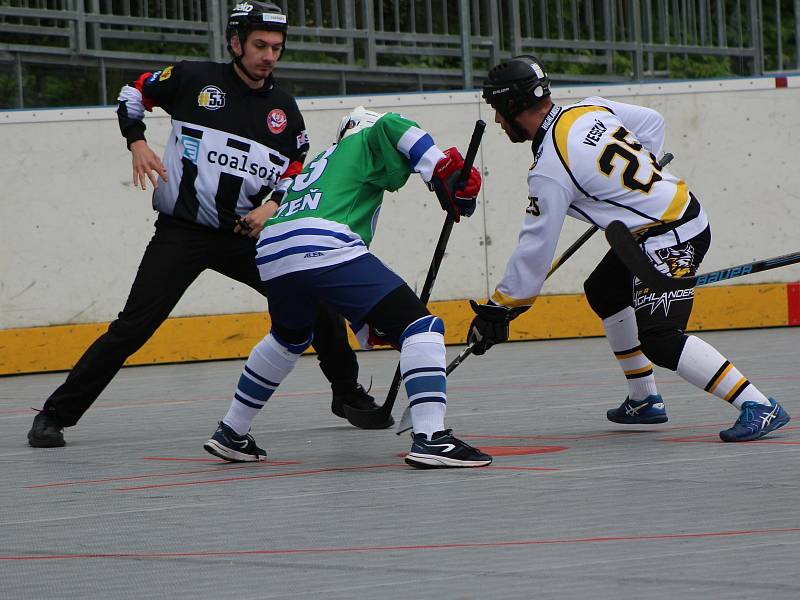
(176, 255)
(661, 314)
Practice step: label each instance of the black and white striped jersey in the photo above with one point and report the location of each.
(229, 146)
(595, 161)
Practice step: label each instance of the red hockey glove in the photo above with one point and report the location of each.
(445, 177)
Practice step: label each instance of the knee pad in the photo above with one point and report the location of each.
(663, 347)
(292, 346)
(426, 325)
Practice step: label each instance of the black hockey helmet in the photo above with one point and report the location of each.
(516, 85)
(252, 14)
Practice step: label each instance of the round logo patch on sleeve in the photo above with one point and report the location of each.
(276, 120)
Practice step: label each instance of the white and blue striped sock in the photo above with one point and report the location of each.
(269, 363)
(422, 364)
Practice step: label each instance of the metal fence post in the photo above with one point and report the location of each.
(18, 73)
(756, 40)
(369, 25)
(466, 43)
(638, 55)
(214, 30)
(797, 33)
(516, 29)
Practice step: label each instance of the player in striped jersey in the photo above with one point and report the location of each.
(315, 250)
(596, 161)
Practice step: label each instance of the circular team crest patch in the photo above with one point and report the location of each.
(276, 120)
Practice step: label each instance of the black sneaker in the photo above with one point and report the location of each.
(358, 398)
(230, 446)
(46, 431)
(444, 450)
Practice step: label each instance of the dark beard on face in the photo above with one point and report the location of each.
(515, 136)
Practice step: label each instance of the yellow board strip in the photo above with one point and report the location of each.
(185, 339)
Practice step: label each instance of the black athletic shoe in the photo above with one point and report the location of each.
(357, 397)
(230, 446)
(444, 450)
(46, 431)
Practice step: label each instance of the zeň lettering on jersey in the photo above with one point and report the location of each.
(646, 298)
(309, 201)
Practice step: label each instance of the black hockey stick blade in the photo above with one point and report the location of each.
(378, 418)
(628, 251)
(625, 247)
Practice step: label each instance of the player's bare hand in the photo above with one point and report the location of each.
(253, 222)
(146, 165)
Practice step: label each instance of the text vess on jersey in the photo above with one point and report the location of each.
(229, 146)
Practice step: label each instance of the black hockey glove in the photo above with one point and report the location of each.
(443, 182)
(490, 325)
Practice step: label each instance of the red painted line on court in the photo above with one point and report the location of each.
(551, 438)
(709, 439)
(266, 476)
(228, 467)
(514, 450)
(793, 296)
(452, 546)
(567, 437)
(494, 468)
(217, 461)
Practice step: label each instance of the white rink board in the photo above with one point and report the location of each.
(73, 228)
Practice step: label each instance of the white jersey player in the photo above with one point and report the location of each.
(596, 161)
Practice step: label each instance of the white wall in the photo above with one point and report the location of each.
(73, 228)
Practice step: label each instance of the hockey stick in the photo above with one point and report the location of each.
(405, 421)
(372, 419)
(632, 256)
(665, 160)
(556, 264)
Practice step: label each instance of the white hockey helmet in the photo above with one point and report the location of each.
(360, 118)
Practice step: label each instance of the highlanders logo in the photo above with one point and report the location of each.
(276, 120)
(211, 98)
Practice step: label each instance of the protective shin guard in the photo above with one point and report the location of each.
(623, 337)
(701, 365)
(422, 365)
(270, 361)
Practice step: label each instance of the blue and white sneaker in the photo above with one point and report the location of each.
(639, 412)
(230, 446)
(755, 421)
(444, 450)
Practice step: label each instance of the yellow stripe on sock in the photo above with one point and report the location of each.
(628, 355)
(719, 379)
(735, 388)
(638, 371)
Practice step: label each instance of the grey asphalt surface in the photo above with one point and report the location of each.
(573, 506)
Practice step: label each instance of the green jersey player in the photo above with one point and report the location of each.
(316, 249)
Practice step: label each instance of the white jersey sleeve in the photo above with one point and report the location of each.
(527, 268)
(646, 124)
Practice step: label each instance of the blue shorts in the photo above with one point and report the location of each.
(351, 289)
